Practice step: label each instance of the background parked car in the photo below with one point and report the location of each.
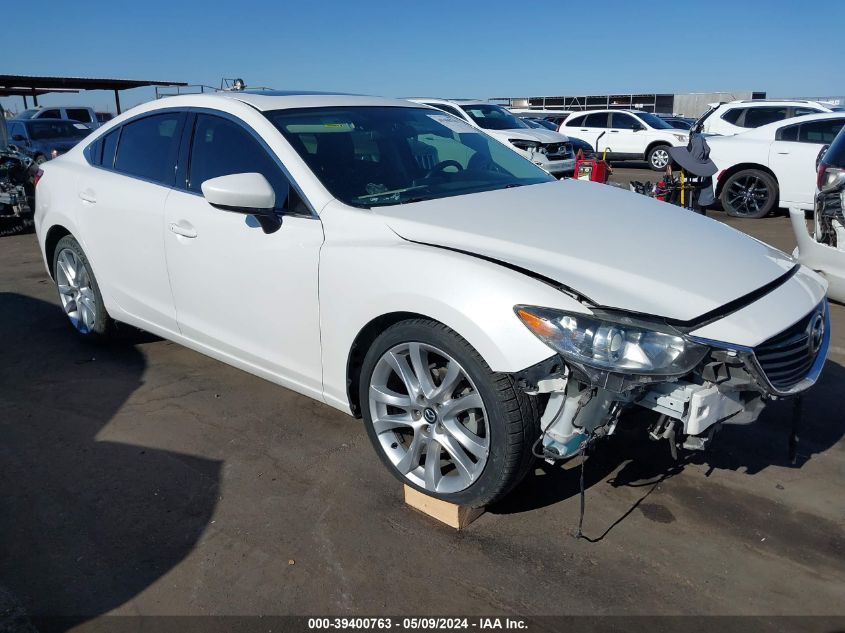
(773, 165)
(43, 139)
(80, 114)
(823, 250)
(739, 116)
(678, 122)
(549, 150)
(576, 143)
(627, 135)
(103, 117)
(537, 122)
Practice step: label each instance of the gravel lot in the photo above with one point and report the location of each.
(143, 478)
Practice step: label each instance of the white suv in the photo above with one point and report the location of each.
(740, 116)
(627, 135)
(474, 310)
(547, 149)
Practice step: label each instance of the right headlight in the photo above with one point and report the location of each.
(524, 145)
(614, 342)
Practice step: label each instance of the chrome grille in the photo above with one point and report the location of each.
(786, 358)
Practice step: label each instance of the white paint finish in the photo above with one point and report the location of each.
(620, 249)
(828, 261)
(715, 124)
(245, 293)
(366, 271)
(251, 191)
(770, 314)
(122, 221)
(618, 141)
(792, 162)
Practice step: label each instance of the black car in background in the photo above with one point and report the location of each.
(43, 139)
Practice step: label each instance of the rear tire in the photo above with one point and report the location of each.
(483, 448)
(79, 293)
(750, 193)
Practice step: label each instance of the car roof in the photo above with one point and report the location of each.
(451, 101)
(278, 99)
(267, 100)
(765, 102)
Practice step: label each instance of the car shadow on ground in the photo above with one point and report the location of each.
(85, 524)
(641, 463)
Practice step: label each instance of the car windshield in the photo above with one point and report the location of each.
(493, 117)
(45, 130)
(654, 121)
(369, 156)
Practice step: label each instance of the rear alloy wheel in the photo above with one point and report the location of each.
(79, 293)
(658, 157)
(440, 419)
(750, 193)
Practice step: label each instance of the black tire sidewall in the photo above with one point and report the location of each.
(494, 478)
(103, 324)
(771, 184)
(651, 153)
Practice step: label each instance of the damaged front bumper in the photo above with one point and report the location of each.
(729, 386)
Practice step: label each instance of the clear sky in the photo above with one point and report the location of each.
(485, 48)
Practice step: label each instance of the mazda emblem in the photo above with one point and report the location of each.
(816, 333)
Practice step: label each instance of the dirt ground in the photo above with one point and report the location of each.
(144, 478)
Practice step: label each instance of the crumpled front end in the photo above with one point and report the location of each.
(730, 384)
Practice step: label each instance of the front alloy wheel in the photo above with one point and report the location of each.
(658, 158)
(429, 417)
(440, 419)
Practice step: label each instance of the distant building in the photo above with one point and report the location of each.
(690, 104)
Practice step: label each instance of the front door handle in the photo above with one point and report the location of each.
(183, 230)
(88, 196)
(783, 153)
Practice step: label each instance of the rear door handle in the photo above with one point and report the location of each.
(184, 231)
(88, 196)
(783, 153)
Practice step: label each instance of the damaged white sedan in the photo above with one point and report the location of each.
(408, 269)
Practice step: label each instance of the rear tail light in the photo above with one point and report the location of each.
(826, 175)
(37, 177)
(820, 175)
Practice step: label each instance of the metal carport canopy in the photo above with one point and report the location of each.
(30, 85)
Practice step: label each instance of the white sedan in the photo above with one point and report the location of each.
(773, 165)
(474, 311)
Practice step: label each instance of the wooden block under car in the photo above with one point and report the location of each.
(452, 515)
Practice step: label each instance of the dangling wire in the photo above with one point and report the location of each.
(583, 451)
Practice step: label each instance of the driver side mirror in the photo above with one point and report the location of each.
(636, 127)
(249, 194)
(18, 137)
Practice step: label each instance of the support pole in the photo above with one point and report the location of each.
(25, 103)
(117, 101)
(35, 98)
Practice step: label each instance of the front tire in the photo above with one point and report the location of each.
(658, 157)
(79, 293)
(750, 193)
(440, 419)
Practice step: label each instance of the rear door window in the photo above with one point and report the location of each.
(820, 132)
(148, 147)
(82, 115)
(597, 119)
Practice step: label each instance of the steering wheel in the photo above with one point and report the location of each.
(443, 164)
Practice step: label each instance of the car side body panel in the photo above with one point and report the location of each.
(357, 286)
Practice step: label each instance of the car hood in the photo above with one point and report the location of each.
(529, 134)
(617, 248)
